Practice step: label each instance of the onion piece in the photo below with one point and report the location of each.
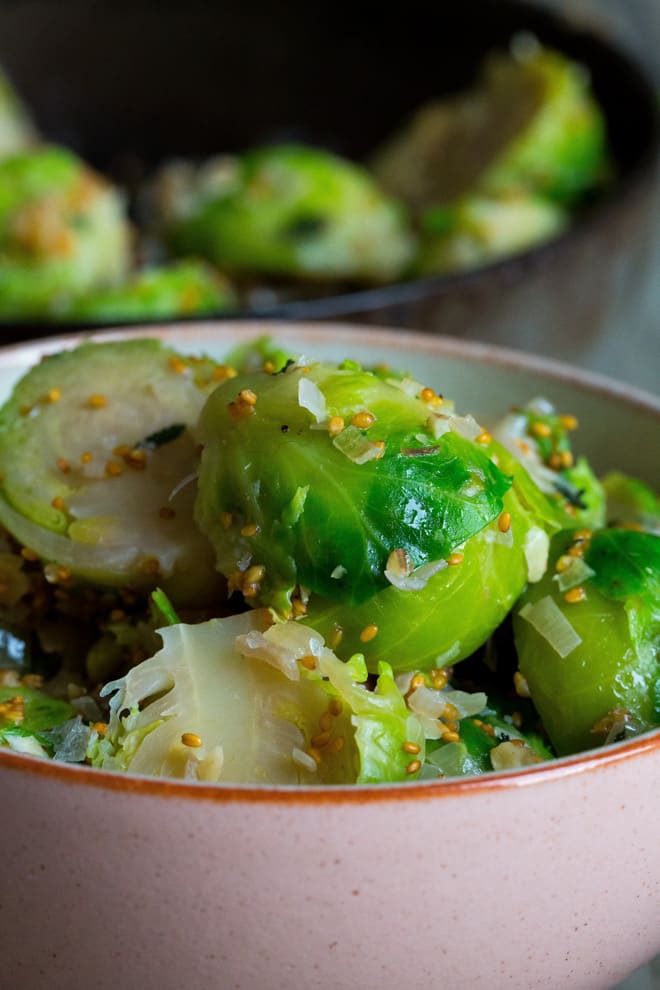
(577, 571)
(536, 548)
(551, 623)
(399, 572)
(281, 646)
(512, 754)
(311, 397)
(357, 447)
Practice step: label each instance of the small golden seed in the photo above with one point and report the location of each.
(325, 722)
(411, 747)
(335, 425)
(541, 429)
(451, 736)
(363, 420)
(100, 727)
(563, 563)
(309, 662)
(226, 519)
(298, 608)
(251, 529)
(575, 595)
(177, 365)
(247, 396)
(62, 575)
(269, 367)
(523, 446)
(321, 740)
(86, 457)
(576, 550)
(314, 753)
(114, 468)
(54, 395)
(521, 685)
(368, 633)
(191, 739)
(336, 745)
(569, 422)
(251, 589)
(97, 402)
(484, 438)
(566, 459)
(28, 554)
(224, 371)
(255, 573)
(439, 678)
(413, 766)
(63, 465)
(504, 522)
(123, 450)
(58, 503)
(335, 707)
(455, 558)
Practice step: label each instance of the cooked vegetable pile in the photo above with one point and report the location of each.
(470, 179)
(281, 572)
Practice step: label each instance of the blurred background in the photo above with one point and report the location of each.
(129, 86)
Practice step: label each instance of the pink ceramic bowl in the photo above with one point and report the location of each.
(548, 877)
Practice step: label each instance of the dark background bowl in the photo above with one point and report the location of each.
(129, 83)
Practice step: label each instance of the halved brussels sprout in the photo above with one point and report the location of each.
(588, 636)
(241, 700)
(185, 288)
(98, 457)
(530, 125)
(290, 210)
(63, 232)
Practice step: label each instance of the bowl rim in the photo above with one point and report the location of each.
(22, 355)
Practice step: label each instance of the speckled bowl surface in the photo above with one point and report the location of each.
(548, 877)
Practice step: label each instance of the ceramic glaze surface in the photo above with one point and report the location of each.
(545, 878)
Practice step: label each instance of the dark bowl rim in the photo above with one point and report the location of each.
(484, 354)
(376, 297)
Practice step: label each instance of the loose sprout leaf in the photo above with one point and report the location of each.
(625, 563)
(38, 711)
(165, 607)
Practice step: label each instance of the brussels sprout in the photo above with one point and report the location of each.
(292, 210)
(355, 491)
(587, 637)
(98, 455)
(477, 229)
(16, 128)
(62, 233)
(26, 717)
(186, 288)
(529, 126)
